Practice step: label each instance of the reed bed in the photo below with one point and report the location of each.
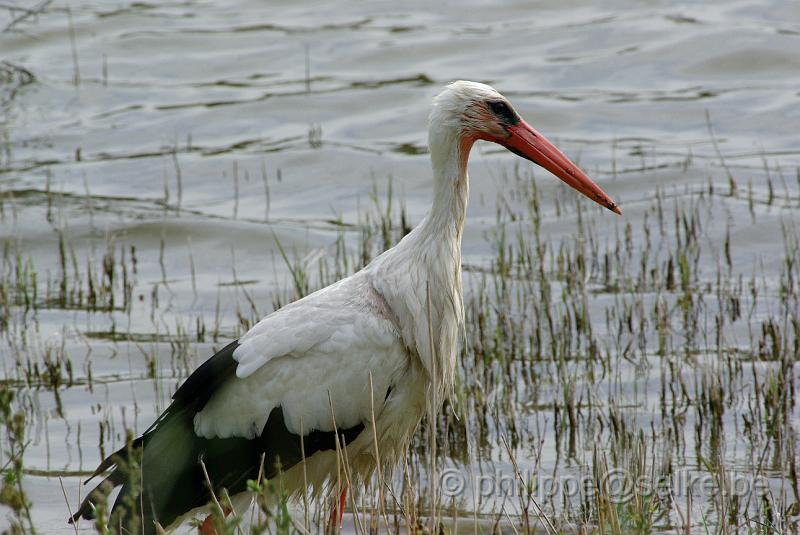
(636, 375)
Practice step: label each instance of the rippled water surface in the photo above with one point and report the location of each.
(190, 135)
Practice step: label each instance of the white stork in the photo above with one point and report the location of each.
(304, 375)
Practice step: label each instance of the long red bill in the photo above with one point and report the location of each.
(531, 145)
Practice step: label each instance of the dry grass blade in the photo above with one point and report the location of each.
(548, 525)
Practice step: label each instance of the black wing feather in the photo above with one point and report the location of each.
(198, 388)
(172, 479)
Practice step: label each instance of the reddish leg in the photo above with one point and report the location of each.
(207, 527)
(342, 500)
(338, 510)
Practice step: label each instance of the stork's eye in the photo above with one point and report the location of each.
(499, 107)
(502, 110)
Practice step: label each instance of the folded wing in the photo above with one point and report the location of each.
(257, 401)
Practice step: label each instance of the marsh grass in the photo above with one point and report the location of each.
(641, 356)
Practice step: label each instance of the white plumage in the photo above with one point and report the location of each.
(394, 325)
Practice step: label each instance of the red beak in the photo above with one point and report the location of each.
(524, 141)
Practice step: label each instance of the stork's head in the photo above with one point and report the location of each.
(477, 111)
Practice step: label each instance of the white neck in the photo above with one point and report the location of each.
(449, 154)
(426, 264)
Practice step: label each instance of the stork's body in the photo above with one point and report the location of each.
(389, 333)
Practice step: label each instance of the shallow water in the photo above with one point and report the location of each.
(197, 132)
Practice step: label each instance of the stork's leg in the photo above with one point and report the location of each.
(207, 527)
(342, 500)
(338, 510)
